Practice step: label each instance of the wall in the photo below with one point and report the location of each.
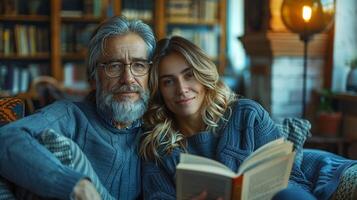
(287, 82)
(345, 44)
(276, 61)
(277, 71)
(235, 29)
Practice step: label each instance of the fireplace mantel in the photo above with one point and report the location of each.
(282, 44)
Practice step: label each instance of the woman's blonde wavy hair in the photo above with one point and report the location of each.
(162, 136)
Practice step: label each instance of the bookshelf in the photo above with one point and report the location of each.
(67, 25)
(213, 18)
(198, 20)
(24, 53)
(136, 9)
(25, 18)
(77, 20)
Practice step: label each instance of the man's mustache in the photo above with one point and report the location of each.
(127, 88)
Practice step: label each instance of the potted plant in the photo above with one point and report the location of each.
(328, 120)
(351, 84)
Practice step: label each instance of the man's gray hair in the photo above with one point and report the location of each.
(117, 25)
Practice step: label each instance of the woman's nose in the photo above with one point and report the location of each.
(181, 87)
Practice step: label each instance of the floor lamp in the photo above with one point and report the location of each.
(306, 18)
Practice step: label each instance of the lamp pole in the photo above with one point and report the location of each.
(305, 38)
(315, 15)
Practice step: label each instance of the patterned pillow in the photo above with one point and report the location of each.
(69, 154)
(6, 190)
(11, 109)
(296, 130)
(347, 188)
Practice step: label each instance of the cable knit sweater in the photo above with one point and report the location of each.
(112, 152)
(249, 127)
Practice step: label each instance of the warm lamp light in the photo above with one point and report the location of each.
(306, 13)
(307, 17)
(321, 14)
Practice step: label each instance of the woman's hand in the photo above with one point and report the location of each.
(85, 190)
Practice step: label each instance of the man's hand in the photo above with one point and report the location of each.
(85, 190)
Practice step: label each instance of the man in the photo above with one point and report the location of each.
(106, 127)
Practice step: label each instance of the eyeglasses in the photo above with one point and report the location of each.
(116, 69)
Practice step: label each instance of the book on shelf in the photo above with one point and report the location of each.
(1, 39)
(74, 37)
(75, 76)
(205, 39)
(92, 8)
(3, 73)
(71, 13)
(23, 40)
(136, 9)
(9, 7)
(197, 9)
(178, 8)
(97, 8)
(88, 7)
(17, 78)
(261, 175)
(27, 7)
(137, 14)
(210, 10)
(8, 42)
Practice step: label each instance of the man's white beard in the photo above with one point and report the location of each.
(124, 111)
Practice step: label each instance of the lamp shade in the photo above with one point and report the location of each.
(307, 16)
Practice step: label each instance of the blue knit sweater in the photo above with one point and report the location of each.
(112, 152)
(249, 127)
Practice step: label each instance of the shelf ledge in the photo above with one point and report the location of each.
(192, 21)
(25, 18)
(38, 56)
(89, 19)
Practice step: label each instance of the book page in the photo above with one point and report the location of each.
(264, 181)
(267, 152)
(191, 183)
(268, 145)
(193, 159)
(208, 169)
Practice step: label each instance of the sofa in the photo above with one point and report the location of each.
(314, 163)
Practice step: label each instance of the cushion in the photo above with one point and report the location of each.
(11, 109)
(296, 130)
(347, 188)
(320, 166)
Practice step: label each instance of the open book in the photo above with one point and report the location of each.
(262, 174)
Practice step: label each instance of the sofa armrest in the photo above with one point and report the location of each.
(322, 167)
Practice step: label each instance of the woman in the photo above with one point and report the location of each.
(192, 111)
